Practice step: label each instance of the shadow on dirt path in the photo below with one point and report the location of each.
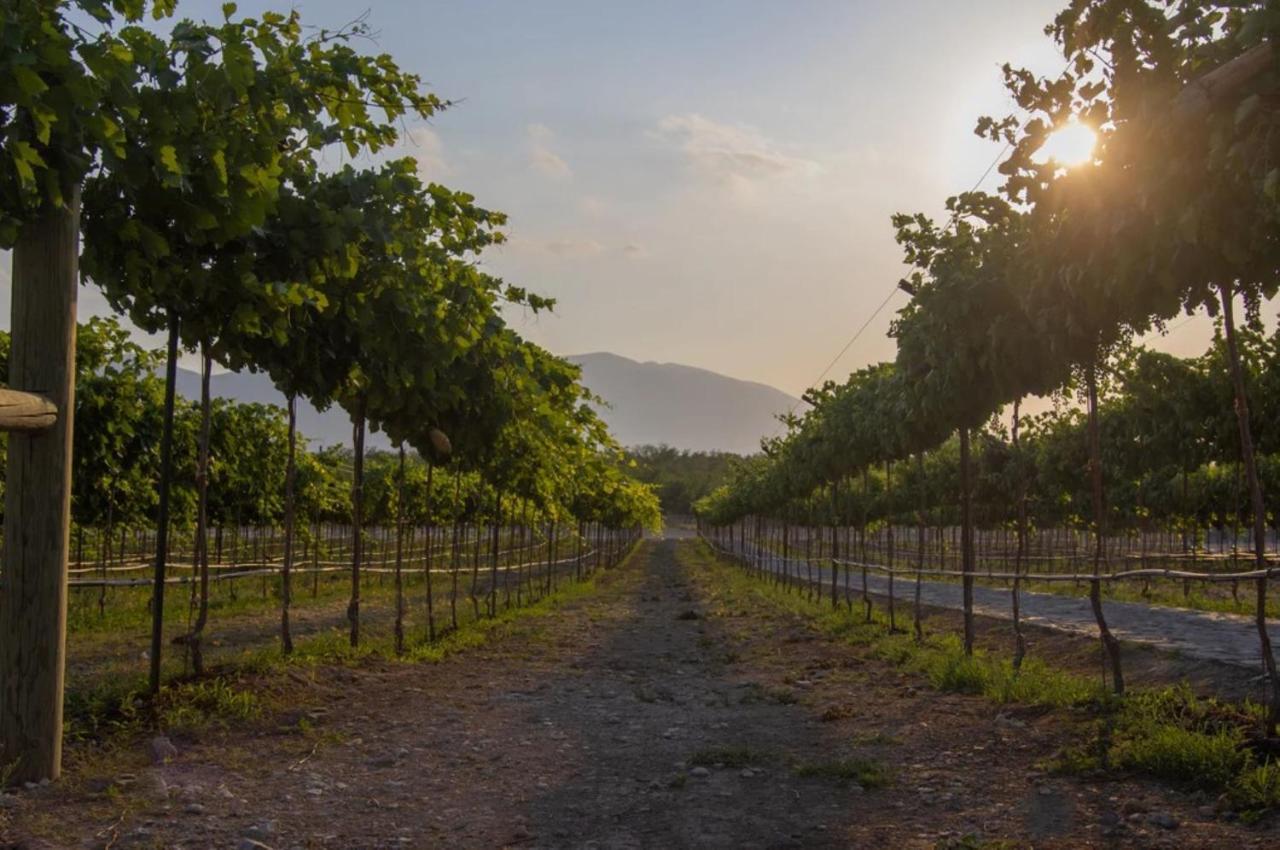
(577, 728)
(655, 710)
(672, 746)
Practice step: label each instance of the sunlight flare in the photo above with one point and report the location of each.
(1070, 145)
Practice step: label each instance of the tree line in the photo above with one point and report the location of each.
(1043, 285)
(119, 417)
(680, 476)
(1169, 443)
(190, 165)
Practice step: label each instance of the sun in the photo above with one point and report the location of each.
(1070, 145)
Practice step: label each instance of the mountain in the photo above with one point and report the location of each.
(647, 403)
(321, 429)
(682, 406)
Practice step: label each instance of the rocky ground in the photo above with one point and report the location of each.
(653, 712)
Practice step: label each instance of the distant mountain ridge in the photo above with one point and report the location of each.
(647, 403)
(682, 406)
(331, 427)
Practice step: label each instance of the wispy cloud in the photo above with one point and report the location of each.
(592, 206)
(543, 158)
(577, 247)
(732, 154)
(425, 146)
(574, 248)
(570, 247)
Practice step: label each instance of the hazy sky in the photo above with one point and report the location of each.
(708, 182)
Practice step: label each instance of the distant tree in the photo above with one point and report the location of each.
(681, 477)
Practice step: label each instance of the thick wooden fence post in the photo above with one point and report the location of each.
(33, 596)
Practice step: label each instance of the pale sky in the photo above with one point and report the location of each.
(707, 183)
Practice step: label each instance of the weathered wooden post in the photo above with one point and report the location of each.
(37, 415)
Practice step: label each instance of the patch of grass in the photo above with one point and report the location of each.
(192, 706)
(1075, 760)
(479, 632)
(729, 756)
(866, 772)
(944, 663)
(1177, 736)
(957, 673)
(333, 646)
(975, 842)
(1145, 736)
(1256, 790)
(833, 713)
(117, 707)
(1168, 733)
(940, 657)
(128, 610)
(1174, 735)
(105, 711)
(122, 709)
(6, 772)
(755, 692)
(1207, 760)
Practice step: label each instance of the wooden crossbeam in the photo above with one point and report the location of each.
(26, 413)
(1202, 94)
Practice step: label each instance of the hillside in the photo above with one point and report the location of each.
(647, 404)
(682, 406)
(321, 429)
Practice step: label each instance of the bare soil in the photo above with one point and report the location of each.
(650, 713)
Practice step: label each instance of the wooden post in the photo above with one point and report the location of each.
(162, 508)
(33, 599)
(966, 540)
(286, 561)
(1257, 505)
(399, 627)
(357, 517)
(1110, 645)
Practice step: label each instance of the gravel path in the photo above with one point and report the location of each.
(1202, 635)
(667, 707)
(582, 728)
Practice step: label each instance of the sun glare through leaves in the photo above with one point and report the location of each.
(1070, 145)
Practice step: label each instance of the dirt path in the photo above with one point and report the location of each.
(655, 712)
